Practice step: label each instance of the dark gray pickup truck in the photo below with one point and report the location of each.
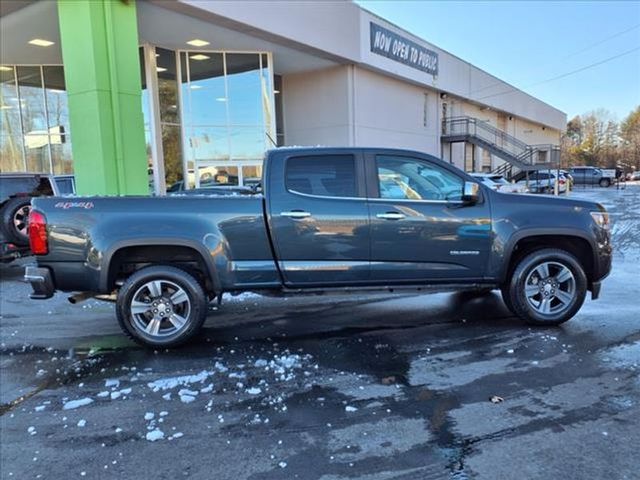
(326, 219)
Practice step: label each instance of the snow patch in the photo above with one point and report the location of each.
(172, 382)
(154, 435)
(72, 404)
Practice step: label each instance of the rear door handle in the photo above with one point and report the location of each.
(391, 216)
(295, 214)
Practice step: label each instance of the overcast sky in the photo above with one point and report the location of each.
(527, 43)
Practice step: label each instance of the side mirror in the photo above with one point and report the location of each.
(470, 192)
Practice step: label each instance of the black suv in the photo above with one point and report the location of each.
(16, 191)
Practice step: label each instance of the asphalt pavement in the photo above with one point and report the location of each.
(330, 387)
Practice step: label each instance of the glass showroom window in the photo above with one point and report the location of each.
(228, 116)
(34, 120)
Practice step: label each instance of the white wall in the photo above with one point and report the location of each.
(390, 113)
(316, 107)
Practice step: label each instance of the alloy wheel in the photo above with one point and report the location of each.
(160, 308)
(550, 288)
(21, 220)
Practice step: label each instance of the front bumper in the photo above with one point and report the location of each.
(41, 282)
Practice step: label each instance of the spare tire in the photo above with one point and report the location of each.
(15, 220)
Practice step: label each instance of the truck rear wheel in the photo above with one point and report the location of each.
(161, 306)
(605, 183)
(547, 287)
(15, 220)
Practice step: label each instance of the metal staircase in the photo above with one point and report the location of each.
(515, 152)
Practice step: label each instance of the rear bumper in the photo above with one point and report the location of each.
(10, 251)
(41, 282)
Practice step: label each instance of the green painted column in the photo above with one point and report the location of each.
(102, 73)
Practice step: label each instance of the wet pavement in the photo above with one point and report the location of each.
(331, 387)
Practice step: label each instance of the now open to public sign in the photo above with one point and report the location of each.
(396, 47)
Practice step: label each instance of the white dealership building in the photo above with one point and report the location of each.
(224, 81)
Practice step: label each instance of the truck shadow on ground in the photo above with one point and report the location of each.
(342, 318)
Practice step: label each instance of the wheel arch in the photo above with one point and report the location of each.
(112, 258)
(574, 241)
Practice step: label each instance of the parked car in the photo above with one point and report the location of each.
(543, 181)
(635, 177)
(499, 183)
(592, 176)
(325, 222)
(16, 192)
(569, 178)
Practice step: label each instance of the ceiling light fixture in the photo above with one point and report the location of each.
(197, 42)
(199, 57)
(160, 69)
(221, 99)
(196, 87)
(5, 69)
(5, 107)
(39, 42)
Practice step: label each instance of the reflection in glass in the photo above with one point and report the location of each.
(218, 176)
(57, 103)
(32, 100)
(37, 152)
(11, 153)
(210, 144)
(278, 95)
(251, 175)
(172, 146)
(244, 84)
(62, 156)
(205, 95)
(247, 143)
(227, 98)
(41, 143)
(167, 86)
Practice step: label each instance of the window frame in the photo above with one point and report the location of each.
(373, 188)
(359, 175)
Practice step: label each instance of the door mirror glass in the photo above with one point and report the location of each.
(471, 192)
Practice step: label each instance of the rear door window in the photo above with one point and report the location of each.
(322, 175)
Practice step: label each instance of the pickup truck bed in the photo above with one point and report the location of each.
(326, 219)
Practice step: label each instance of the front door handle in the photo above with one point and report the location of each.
(295, 214)
(391, 216)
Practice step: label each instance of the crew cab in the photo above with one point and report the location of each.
(324, 220)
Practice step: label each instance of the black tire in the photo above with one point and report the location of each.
(192, 308)
(15, 218)
(573, 290)
(605, 182)
(505, 297)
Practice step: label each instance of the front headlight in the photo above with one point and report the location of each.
(601, 219)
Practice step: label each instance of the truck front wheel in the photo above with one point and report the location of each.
(161, 306)
(547, 287)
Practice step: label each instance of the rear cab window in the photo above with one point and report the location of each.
(322, 175)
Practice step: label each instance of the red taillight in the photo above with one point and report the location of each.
(38, 233)
(561, 181)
